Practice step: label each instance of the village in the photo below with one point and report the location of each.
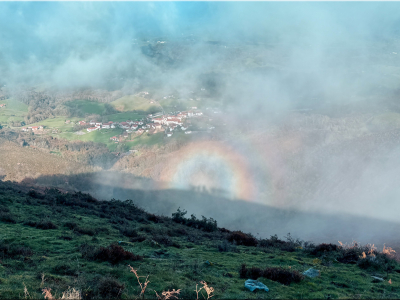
(153, 123)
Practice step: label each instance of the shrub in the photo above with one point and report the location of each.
(129, 232)
(323, 248)
(279, 274)
(224, 246)
(274, 242)
(7, 217)
(113, 253)
(110, 288)
(70, 225)
(179, 216)
(378, 262)
(241, 238)
(12, 251)
(349, 256)
(4, 209)
(208, 225)
(85, 230)
(153, 218)
(179, 232)
(166, 241)
(138, 239)
(148, 229)
(87, 251)
(46, 225)
(64, 269)
(34, 194)
(282, 275)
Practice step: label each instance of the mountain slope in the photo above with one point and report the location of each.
(54, 240)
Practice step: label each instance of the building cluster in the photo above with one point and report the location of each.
(173, 121)
(32, 128)
(3, 105)
(153, 124)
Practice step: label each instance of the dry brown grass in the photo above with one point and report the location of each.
(19, 162)
(69, 294)
(208, 289)
(165, 295)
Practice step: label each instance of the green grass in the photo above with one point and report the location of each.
(168, 267)
(87, 107)
(130, 103)
(58, 123)
(98, 136)
(124, 116)
(14, 111)
(146, 140)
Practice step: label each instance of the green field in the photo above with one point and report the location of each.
(170, 105)
(146, 140)
(58, 123)
(14, 111)
(87, 107)
(53, 240)
(130, 103)
(98, 136)
(124, 116)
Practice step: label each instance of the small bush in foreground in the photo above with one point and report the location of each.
(208, 225)
(44, 225)
(279, 274)
(129, 232)
(12, 251)
(7, 217)
(324, 248)
(241, 238)
(110, 288)
(113, 253)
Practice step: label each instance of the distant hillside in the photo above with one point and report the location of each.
(55, 240)
(18, 163)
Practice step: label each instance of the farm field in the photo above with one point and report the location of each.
(98, 136)
(130, 103)
(14, 111)
(58, 123)
(87, 107)
(124, 116)
(146, 140)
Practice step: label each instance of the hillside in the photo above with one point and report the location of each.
(18, 163)
(58, 240)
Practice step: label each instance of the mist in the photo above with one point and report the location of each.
(311, 85)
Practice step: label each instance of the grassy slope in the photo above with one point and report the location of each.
(59, 123)
(130, 103)
(21, 162)
(14, 111)
(124, 116)
(99, 136)
(168, 267)
(87, 107)
(145, 140)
